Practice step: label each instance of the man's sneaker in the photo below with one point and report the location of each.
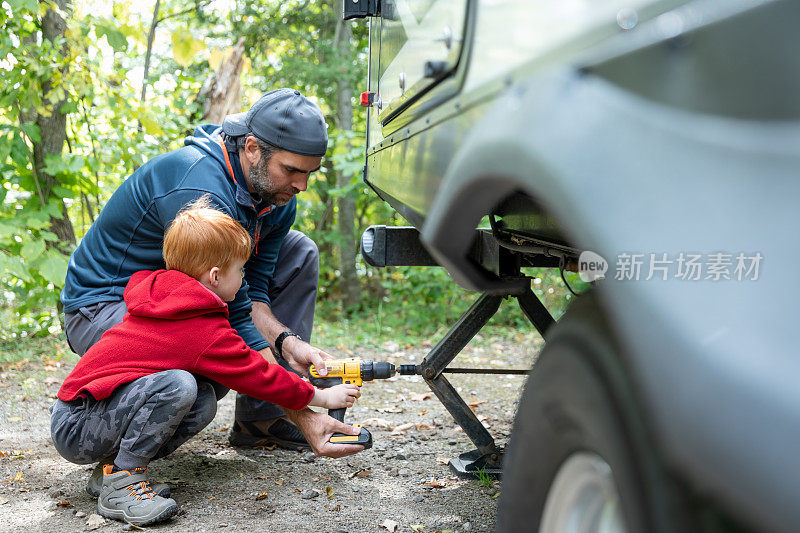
(96, 482)
(267, 433)
(126, 495)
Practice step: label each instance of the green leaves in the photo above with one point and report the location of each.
(149, 124)
(116, 39)
(53, 267)
(31, 6)
(76, 163)
(32, 131)
(32, 250)
(185, 47)
(38, 220)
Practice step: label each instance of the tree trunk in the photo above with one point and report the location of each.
(221, 95)
(53, 132)
(151, 36)
(351, 290)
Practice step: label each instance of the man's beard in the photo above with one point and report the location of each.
(265, 188)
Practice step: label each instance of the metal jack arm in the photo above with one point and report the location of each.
(445, 351)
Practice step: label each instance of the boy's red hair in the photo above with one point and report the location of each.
(202, 237)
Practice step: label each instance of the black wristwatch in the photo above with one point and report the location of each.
(279, 342)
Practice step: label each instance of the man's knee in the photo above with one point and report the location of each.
(205, 406)
(303, 248)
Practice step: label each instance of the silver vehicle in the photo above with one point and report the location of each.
(657, 142)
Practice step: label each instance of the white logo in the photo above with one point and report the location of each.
(591, 266)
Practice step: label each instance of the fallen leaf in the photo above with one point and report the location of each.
(423, 412)
(436, 483)
(402, 428)
(17, 477)
(443, 460)
(329, 492)
(64, 503)
(389, 525)
(262, 496)
(474, 402)
(389, 409)
(376, 422)
(496, 494)
(23, 489)
(19, 364)
(363, 473)
(212, 497)
(95, 521)
(419, 397)
(14, 418)
(279, 482)
(223, 428)
(51, 380)
(419, 528)
(3, 500)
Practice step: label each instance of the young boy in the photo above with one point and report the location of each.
(137, 394)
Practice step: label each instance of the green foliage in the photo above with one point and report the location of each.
(36, 349)
(84, 76)
(93, 76)
(485, 480)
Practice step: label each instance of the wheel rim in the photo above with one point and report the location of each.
(583, 498)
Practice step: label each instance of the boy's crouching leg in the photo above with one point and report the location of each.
(199, 416)
(160, 402)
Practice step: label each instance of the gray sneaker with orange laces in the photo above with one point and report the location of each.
(95, 483)
(126, 495)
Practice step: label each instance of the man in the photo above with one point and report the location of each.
(252, 168)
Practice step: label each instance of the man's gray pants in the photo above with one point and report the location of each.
(142, 420)
(293, 296)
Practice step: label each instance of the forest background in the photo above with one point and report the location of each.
(89, 91)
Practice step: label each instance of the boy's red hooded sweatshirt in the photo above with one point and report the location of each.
(174, 322)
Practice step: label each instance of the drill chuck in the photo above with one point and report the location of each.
(376, 370)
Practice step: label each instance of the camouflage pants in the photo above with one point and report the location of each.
(142, 420)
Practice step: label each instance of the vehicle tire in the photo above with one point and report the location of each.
(579, 459)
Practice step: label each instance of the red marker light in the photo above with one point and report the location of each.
(367, 98)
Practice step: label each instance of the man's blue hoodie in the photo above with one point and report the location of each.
(128, 234)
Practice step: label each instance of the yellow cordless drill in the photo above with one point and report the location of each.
(355, 371)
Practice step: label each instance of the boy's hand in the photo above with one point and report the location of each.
(318, 428)
(335, 397)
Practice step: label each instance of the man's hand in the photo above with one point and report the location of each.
(318, 428)
(300, 355)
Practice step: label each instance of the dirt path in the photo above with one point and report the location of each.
(404, 477)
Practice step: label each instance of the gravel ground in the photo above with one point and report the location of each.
(403, 482)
